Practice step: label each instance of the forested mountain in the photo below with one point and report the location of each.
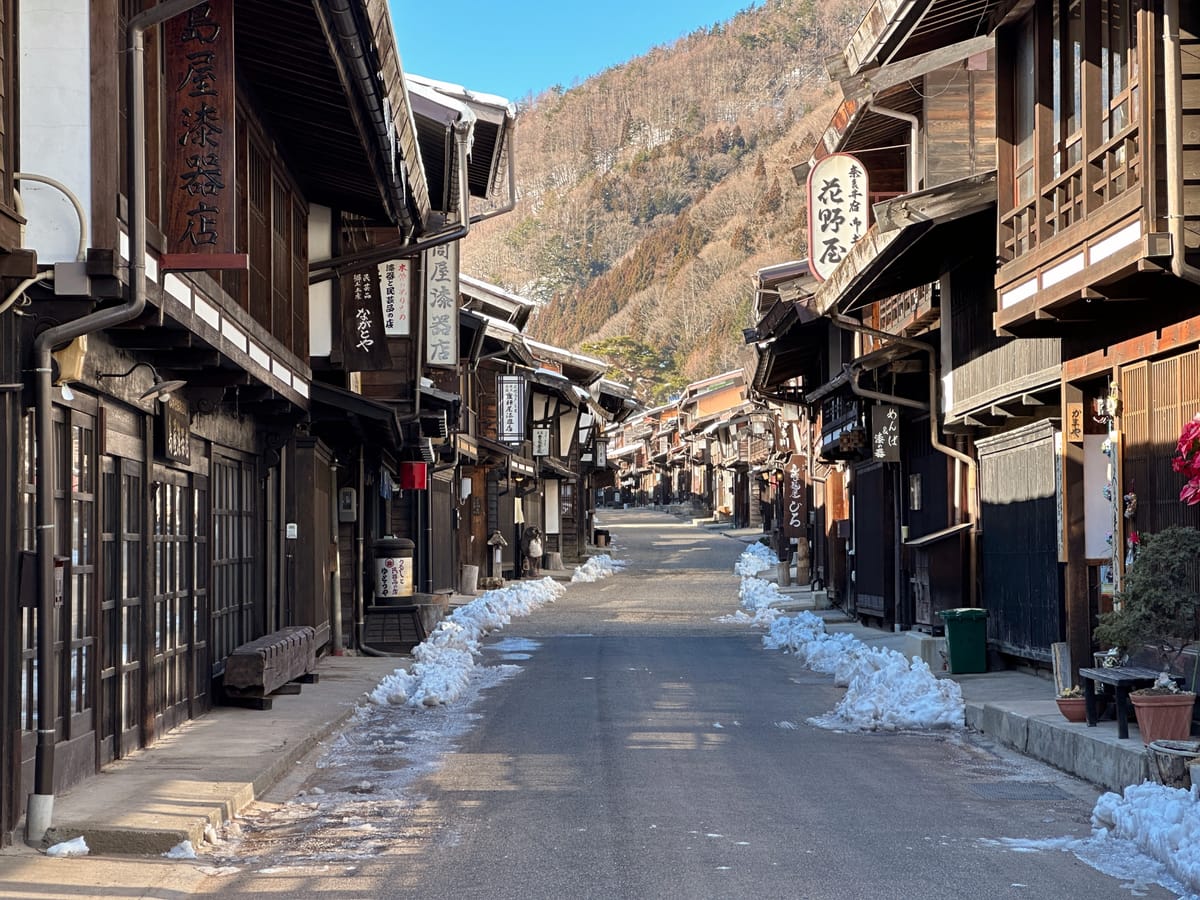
(649, 195)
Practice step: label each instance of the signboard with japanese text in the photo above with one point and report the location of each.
(541, 440)
(364, 343)
(441, 305)
(510, 408)
(199, 143)
(885, 433)
(395, 294)
(795, 498)
(1074, 423)
(837, 211)
(175, 430)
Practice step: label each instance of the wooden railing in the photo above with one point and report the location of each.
(1065, 203)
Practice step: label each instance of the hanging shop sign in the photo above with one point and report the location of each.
(885, 433)
(199, 149)
(441, 305)
(175, 430)
(396, 295)
(364, 341)
(795, 498)
(837, 211)
(510, 408)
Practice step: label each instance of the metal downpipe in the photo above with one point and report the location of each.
(1173, 103)
(40, 809)
(934, 438)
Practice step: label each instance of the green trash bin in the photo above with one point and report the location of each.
(966, 639)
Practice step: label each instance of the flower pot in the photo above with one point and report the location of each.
(1164, 717)
(1074, 709)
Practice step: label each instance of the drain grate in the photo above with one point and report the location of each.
(1019, 790)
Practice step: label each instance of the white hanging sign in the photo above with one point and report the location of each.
(837, 211)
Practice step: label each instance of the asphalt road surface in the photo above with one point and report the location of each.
(644, 750)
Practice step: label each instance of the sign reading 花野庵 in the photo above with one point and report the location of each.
(837, 211)
(199, 139)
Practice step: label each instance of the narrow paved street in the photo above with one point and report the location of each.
(627, 745)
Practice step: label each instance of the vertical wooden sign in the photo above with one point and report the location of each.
(441, 305)
(199, 154)
(364, 342)
(795, 498)
(885, 433)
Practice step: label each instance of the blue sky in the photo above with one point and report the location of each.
(524, 46)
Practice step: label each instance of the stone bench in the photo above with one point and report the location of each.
(267, 664)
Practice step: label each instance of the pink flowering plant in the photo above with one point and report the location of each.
(1187, 461)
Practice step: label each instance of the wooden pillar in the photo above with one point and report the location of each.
(1078, 626)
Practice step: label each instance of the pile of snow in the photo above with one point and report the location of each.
(182, 850)
(444, 660)
(884, 690)
(754, 559)
(1163, 823)
(76, 847)
(598, 567)
(756, 597)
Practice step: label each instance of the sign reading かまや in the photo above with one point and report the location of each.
(837, 211)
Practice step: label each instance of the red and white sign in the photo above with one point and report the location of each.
(837, 211)
(393, 577)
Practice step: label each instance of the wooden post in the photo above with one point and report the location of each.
(1077, 627)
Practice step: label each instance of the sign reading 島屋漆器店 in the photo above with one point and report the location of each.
(199, 155)
(837, 211)
(441, 305)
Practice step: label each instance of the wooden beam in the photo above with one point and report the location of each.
(878, 78)
(941, 204)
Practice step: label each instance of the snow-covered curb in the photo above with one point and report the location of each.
(884, 690)
(597, 567)
(443, 662)
(1162, 822)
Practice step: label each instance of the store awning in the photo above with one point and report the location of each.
(332, 407)
(916, 238)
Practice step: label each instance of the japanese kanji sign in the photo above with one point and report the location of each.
(795, 497)
(394, 291)
(510, 408)
(885, 433)
(199, 157)
(441, 305)
(837, 211)
(175, 429)
(364, 343)
(1074, 423)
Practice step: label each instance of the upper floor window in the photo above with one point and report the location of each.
(1072, 90)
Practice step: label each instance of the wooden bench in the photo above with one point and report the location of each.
(269, 664)
(1122, 680)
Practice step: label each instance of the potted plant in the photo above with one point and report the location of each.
(1071, 704)
(1157, 611)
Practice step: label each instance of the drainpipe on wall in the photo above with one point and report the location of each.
(325, 269)
(40, 807)
(934, 406)
(915, 129)
(1173, 103)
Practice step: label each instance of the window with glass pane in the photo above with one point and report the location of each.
(1068, 100)
(1025, 97)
